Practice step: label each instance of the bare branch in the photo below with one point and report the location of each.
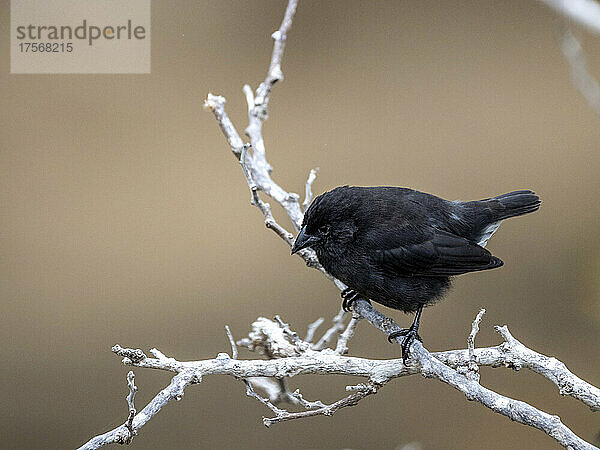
(306, 403)
(473, 333)
(251, 393)
(269, 386)
(511, 353)
(234, 350)
(585, 83)
(473, 369)
(216, 104)
(326, 410)
(174, 391)
(515, 410)
(291, 335)
(342, 343)
(335, 329)
(275, 74)
(518, 356)
(585, 12)
(129, 353)
(378, 372)
(130, 397)
(257, 172)
(312, 329)
(277, 391)
(308, 195)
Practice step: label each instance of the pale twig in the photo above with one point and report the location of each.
(584, 12)
(130, 398)
(336, 328)
(342, 344)
(292, 335)
(251, 393)
(306, 403)
(326, 410)
(130, 354)
(234, 349)
(216, 104)
(308, 195)
(276, 391)
(265, 208)
(269, 386)
(472, 371)
(515, 410)
(473, 334)
(314, 408)
(585, 83)
(275, 74)
(518, 356)
(174, 391)
(256, 170)
(312, 328)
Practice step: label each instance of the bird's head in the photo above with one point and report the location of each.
(328, 223)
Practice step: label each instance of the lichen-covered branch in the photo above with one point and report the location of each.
(123, 434)
(473, 369)
(362, 391)
(517, 356)
(430, 366)
(291, 356)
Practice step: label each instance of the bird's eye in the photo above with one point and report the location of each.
(324, 229)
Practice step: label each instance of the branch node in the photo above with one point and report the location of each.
(159, 355)
(473, 369)
(214, 101)
(292, 197)
(134, 355)
(130, 397)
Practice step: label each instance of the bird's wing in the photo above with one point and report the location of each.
(438, 253)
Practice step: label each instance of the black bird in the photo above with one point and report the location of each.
(399, 247)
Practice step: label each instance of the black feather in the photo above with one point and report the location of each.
(399, 247)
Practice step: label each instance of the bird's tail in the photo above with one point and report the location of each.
(513, 204)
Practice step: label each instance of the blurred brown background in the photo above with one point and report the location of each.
(127, 220)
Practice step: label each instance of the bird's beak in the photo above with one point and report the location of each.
(303, 240)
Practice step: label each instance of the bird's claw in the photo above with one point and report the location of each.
(345, 292)
(350, 296)
(410, 334)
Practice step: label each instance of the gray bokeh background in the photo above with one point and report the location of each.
(127, 220)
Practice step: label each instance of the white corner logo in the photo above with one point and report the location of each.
(75, 36)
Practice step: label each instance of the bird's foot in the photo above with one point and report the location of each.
(410, 334)
(350, 296)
